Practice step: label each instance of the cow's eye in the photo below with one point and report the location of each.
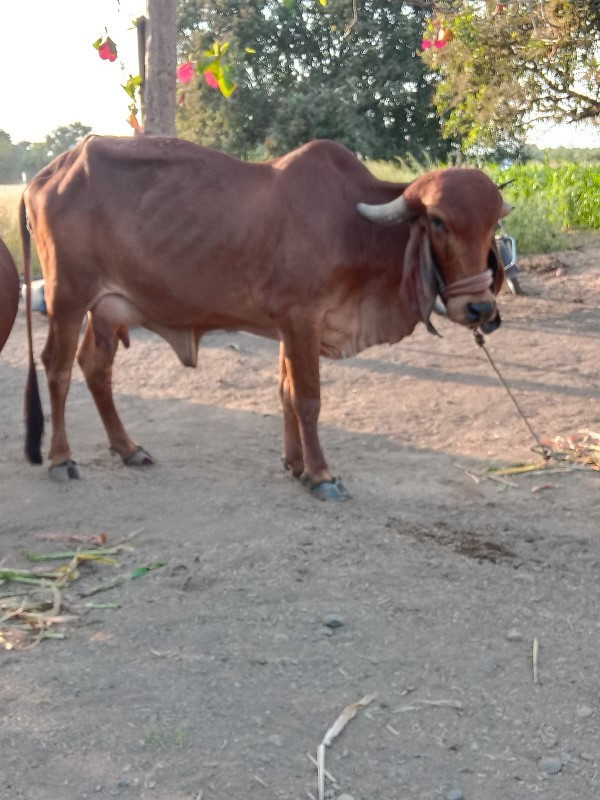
(437, 223)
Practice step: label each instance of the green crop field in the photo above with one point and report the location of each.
(552, 205)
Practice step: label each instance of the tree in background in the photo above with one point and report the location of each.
(8, 168)
(27, 158)
(64, 138)
(509, 62)
(299, 76)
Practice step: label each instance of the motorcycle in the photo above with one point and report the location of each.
(507, 247)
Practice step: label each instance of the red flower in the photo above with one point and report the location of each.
(426, 44)
(108, 50)
(185, 72)
(439, 43)
(211, 80)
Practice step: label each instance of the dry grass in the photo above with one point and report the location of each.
(10, 195)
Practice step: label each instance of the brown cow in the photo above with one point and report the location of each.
(9, 293)
(182, 240)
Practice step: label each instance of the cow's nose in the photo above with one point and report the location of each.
(479, 312)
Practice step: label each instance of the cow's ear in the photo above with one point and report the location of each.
(496, 266)
(418, 272)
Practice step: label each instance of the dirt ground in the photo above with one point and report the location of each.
(214, 675)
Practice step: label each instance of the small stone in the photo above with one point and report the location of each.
(275, 739)
(345, 796)
(584, 711)
(455, 794)
(551, 765)
(586, 757)
(514, 635)
(332, 621)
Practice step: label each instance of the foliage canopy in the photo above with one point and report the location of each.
(300, 77)
(514, 61)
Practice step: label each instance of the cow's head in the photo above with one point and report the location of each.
(451, 251)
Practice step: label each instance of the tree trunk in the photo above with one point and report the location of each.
(159, 84)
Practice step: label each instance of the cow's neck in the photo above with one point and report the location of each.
(366, 317)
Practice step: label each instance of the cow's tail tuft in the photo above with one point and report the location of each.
(34, 416)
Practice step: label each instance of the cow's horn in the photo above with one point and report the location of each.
(506, 209)
(387, 213)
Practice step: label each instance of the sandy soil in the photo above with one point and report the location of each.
(216, 674)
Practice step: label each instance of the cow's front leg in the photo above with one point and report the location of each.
(292, 456)
(96, 358)
(57, 357)
(301, 397)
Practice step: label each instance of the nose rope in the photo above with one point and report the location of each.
(471, 285)
(543, 449)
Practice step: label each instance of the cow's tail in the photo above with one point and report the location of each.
(34, 416)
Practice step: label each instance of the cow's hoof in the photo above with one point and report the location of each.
(330, 490)
(67, 471)
(139, 458)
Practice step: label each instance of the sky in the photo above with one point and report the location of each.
(50, 75)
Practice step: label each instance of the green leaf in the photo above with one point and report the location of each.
(97, 43)
(132, 84)
(139, 571)
(204, 63)
(227, 85)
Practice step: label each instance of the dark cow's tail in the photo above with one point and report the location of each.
(34, 416)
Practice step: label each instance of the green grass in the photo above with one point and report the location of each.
(400, 172)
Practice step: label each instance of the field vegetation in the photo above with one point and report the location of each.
(10, 196)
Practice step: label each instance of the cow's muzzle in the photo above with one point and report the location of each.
(491, 324)
(482, 315)
(478, 313)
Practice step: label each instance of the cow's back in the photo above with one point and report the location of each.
(165, 223)
(196, 238)
(9, 293)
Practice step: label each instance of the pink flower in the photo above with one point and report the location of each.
(440, 43)
(108, 50)
(211, 80)
(185, 72)
(426, 44)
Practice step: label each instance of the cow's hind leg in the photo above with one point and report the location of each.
(301, 397)
(95, 357)
(57, 357)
